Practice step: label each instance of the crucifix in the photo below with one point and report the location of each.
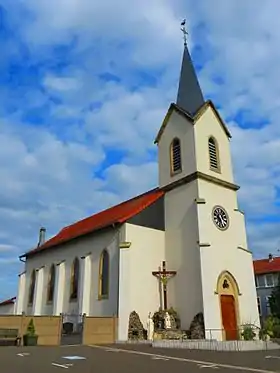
(163, 275)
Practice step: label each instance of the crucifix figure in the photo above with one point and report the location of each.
(163, 275)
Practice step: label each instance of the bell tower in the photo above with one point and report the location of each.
(205, 234)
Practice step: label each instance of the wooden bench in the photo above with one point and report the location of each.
(9, 336)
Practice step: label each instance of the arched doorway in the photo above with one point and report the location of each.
(228, 292)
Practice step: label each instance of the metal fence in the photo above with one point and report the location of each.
(247, 338)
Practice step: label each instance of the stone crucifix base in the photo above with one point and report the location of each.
(170, 335)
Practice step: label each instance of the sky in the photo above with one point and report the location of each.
(84, 87)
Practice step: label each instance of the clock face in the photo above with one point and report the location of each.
(220, 218)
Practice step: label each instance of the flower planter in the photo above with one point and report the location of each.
(30, 340)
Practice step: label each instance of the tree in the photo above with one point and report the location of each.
(274, 300)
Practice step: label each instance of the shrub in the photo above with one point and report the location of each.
(31, 328)
(248, 332)
(271, 326)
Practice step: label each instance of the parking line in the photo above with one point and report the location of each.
(60, 365)
(228, 366)
(159, 358)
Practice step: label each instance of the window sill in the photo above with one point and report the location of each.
(217, 170)
(174, 173)
(266, 287)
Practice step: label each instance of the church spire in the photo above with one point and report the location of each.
(189, 97)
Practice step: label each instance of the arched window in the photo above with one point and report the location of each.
(32, 287)
(75, 274)
(175, 156)
(213, 154)
(51, 284)
(104, 274)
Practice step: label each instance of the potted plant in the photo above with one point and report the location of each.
(30, 338)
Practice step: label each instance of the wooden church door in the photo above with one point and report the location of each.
(229, 317)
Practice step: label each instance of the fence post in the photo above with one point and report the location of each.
(83, 331)
(21, 332)
(60, 328)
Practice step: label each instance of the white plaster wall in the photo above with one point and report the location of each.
(181, 225)
(138, 288)
(8, 309)
(178, 126)
(208, 125)
(223, 254)
(248, 300)
(218, 195)
(239, 264)
(182, 253)
(106, 307)
(93, 244)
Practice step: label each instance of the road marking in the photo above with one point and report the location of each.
(70, 345)
(159, 358)
(236, 367)
(23, 354)
(211, 366)
(60, 365)
(272, 357)
(73, 357)
(111, 350)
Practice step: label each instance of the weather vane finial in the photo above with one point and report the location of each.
(183, 29)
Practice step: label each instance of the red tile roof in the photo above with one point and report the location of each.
(8, 301)
(263, 266)
(114, 215)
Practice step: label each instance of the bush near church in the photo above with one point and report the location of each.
(271, 328)
(30, 338)
(272, 323)
(274, 300)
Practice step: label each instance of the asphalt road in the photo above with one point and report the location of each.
(132, 359)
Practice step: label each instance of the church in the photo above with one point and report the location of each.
(108, 264)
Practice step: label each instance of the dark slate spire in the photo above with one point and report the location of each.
(190, 97)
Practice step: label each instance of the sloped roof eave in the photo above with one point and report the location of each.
(112, 216)
(202, 109)
(8, 301)
(172, 107)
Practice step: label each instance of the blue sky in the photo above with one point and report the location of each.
(84, 88)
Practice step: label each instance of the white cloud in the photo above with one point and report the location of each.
(130, 180)
(12, 260)
(62, 83)
(4, 248)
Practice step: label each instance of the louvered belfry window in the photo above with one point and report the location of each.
(176, 161)
(213, 154)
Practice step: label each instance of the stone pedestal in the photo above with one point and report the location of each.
(170, 335)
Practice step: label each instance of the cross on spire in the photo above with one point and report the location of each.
(185, 33)
(190, 96)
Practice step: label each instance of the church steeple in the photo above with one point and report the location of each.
(189, 97)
